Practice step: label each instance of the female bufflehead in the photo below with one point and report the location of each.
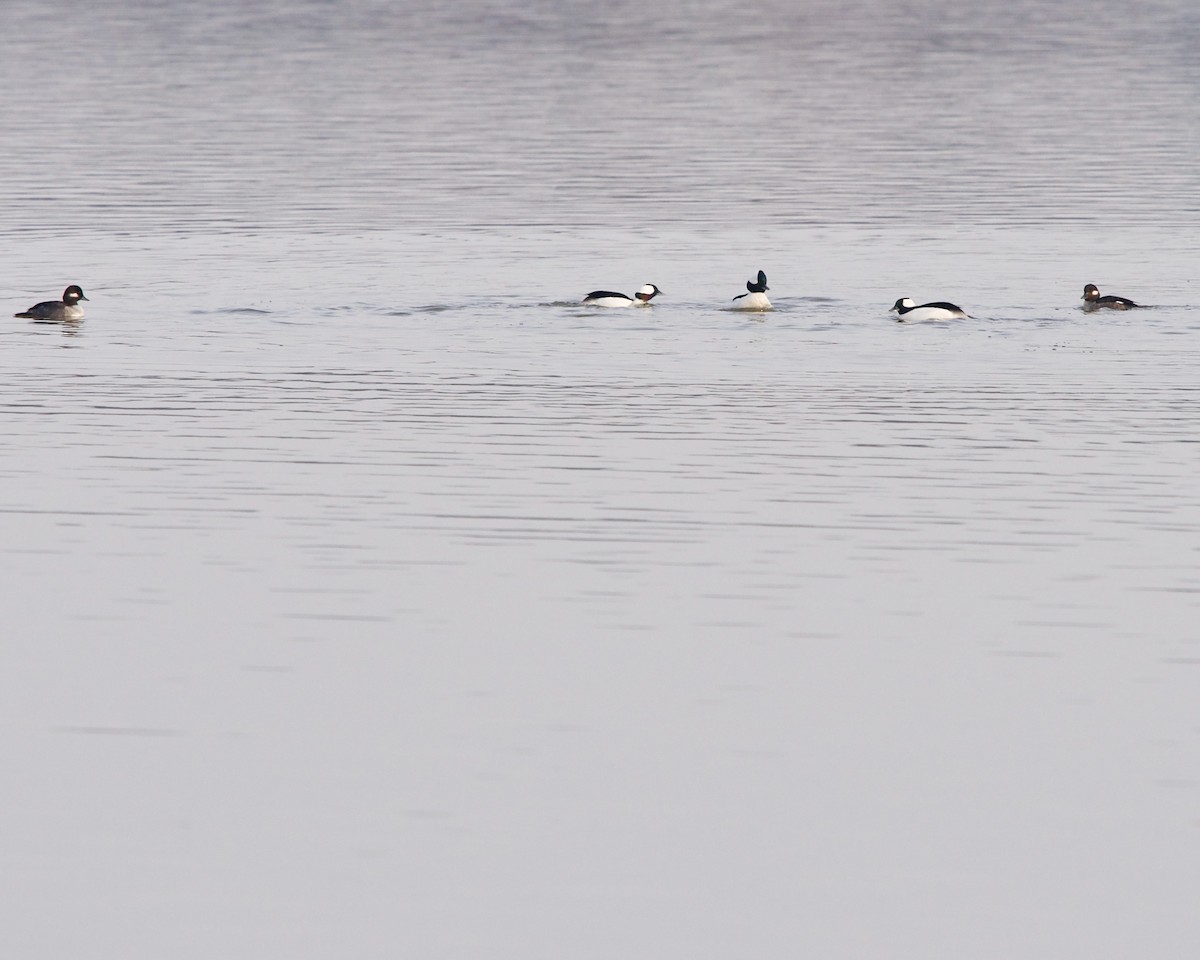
(1093, 301)
(756, 297)
(940, 310)
(606, 298)
(65, 309)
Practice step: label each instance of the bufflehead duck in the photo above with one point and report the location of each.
(65, 309)
(606, 298)
(756, 297)
(940, 310)
(1093, 301)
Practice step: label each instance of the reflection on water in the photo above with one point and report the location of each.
(68, 328)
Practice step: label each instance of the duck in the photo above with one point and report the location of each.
(606, 298)
(65, 309)
(756, 296)
(1093, 301)
(940, 310)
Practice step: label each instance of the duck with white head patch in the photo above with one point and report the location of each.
(755, 297)
(910, 312)
(67, 308)
(1093, 301)
(606, 298)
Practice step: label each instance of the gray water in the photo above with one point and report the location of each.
(365, 596)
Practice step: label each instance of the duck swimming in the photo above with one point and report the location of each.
(65, 309)
(756, 296)
(606, 298)
(940, 310)
(1093, 301)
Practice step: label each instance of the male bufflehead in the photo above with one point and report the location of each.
(65, 309)
(1093, 301)
(940, 310)
(756, 297)
(606, 298)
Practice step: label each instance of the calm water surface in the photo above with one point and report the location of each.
(366, 595)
